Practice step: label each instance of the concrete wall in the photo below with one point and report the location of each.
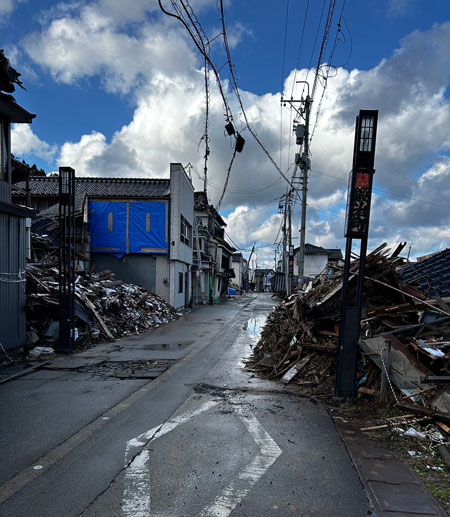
(162, 279)
(314, 265)
(179, 299)
(238, 270)
(181, 203)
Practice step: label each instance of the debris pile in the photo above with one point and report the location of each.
(298, 343)
(105, 308)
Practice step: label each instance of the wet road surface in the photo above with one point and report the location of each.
(205, 438)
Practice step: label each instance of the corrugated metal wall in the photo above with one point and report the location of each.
(12, 291)
(133, 269)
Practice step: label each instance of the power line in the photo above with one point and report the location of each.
(326, 33)
(201, 46)
(240, 191)
(386, 191)
(226, 179)
(238, 96)
(252, 211)
(300, 47)
(329, 66)
(314, 46)
(403, 230)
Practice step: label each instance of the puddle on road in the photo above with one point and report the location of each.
(254, 326)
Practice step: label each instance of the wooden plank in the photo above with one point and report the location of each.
(91, 306)
(23, 372)
(292, 372)
(443, 426)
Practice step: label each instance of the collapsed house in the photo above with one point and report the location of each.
(105, 308)
(402, 313)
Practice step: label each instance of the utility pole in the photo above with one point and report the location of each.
(302, 161)
(305, 165)
(290, 271)
(283, 208)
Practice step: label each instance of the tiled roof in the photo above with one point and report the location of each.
(53, 211)
(310, 249)
(334, 253)
(431, 276)
(102, 187)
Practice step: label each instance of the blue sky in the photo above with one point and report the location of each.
(118, 90)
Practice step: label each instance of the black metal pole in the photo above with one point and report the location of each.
(357, 227)
(66, 260)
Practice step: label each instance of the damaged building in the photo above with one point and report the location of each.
(140, 229)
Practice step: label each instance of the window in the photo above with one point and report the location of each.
(180, 282)
(366, 140)
(185, 232)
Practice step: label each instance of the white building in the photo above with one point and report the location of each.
(181, 236)
(316, 260)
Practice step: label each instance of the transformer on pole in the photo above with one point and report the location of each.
(356, 228)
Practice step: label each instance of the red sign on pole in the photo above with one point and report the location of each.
(362, 180)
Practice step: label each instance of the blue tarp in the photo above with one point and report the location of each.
(148, 215)
(140, 225)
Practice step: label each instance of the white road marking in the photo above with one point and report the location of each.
(231, 495)
(136, 493)
(136, 501)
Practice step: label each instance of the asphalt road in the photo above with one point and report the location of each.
(91, 437)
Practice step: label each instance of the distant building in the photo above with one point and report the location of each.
(213, 269)
(316, 260)
(263, 280)
(240, 268)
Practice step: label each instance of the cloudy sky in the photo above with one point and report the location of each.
(118, 88)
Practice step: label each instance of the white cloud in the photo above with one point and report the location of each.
(79, 154)
(25, 142)
(159, 65)
(398, 8)
(88, 43)
(7, 6)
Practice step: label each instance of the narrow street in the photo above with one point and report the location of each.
(203, 438)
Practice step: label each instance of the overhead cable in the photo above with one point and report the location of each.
(238, 96)
(201, 47)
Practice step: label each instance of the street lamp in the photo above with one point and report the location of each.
(66, 341)
(356, 227)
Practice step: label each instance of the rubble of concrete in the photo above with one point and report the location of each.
(105, 308)
(298, 344)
